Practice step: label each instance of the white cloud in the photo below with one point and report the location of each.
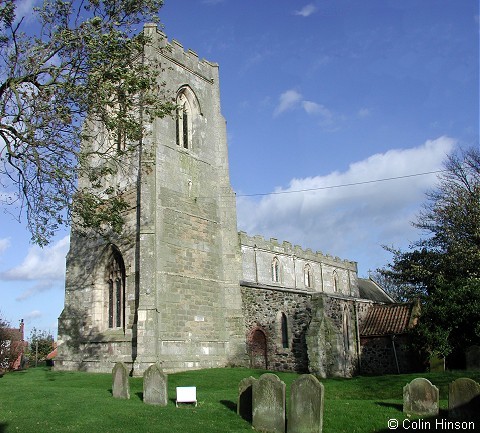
(292, 99)
(24, 9)
(306, 11)
(288, 100)
(35, 314)
(47, 264)
(363, 113)
(41, 287)
(354, 221)
(4, 245)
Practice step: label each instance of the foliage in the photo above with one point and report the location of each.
(81, 60)
(40, 344)
(9, 350)
(443, 268)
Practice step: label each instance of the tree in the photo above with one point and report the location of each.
(41, 343)
(80, 66)
(10, 346)
(443, 267)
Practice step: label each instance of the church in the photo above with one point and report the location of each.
(181, 287)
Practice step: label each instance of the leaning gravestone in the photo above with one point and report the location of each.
(155, 386)
(464, 399)
(120, 385)
(472, 357)
(268, 396)
(306, 405)
(420, 397)
(244, 405)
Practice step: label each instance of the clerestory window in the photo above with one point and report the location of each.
(275, 270)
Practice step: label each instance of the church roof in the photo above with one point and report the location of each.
(369, 289)
(387, 320)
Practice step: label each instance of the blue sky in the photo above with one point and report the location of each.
(316, 95)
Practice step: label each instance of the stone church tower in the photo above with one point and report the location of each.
(181, 287)
(167, 290)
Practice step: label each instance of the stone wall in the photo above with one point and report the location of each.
(263, 308)
(378, 355)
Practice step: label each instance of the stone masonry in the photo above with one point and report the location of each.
(180, 287)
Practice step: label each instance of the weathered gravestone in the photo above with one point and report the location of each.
(268, 407)
(472, 357)
(120, 384)
(155, 385)
(306, 405)
(464, 399)
(244, 404)
(420, 397)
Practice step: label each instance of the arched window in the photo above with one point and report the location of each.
(284, 330)
(307, 276)
(346, 329)
(187, 110)
(116, 290)
(275, 270)
(335, 281)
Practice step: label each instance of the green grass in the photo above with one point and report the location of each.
(41, 400)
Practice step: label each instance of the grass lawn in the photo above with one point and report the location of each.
(40, 400)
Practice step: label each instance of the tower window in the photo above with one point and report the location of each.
(116, 291)
(187, 109)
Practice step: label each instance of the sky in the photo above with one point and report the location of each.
(335, 109)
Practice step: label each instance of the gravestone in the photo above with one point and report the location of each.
(420, 397)
(437, 364)
(155, 386)
(472, 357)
(268, 407)
(244, 404)
(306, 405)
(120, 384)
(464, 399)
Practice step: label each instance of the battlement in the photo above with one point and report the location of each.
(286, 248)
(174, 51)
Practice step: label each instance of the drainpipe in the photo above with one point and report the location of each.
(395, 353)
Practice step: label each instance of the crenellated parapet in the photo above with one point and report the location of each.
(175, 52)
(286, 248)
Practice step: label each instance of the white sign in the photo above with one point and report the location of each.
(186, 394)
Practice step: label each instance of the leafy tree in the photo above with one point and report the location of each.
(443, 267)
(78, 75)
(41, 343)
(9, 348)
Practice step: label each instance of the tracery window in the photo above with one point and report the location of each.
(187, 110)
(184, 120)
(307, 276)
(275, 270)
(116, 290)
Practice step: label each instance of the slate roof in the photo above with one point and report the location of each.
(369, 289)
(387, 320)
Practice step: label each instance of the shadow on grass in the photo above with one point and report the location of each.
(396, 406)
(229, 405)
(3, 427)
(139, 395)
